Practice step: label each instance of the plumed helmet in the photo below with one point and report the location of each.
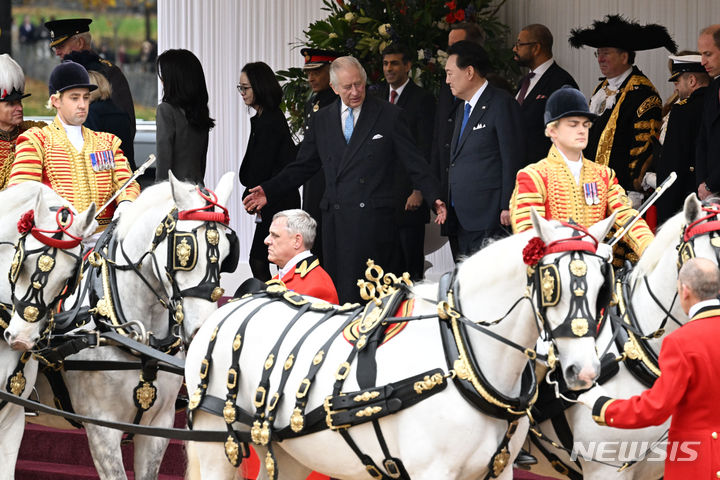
(12, 80)
(69, 75)
(567, 102)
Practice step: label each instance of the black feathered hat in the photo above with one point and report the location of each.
(567, 102)
(617, 32)
(69, 75)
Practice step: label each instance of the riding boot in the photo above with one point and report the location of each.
(524, 460)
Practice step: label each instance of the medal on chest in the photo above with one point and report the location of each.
(591, 193)
(101, 161)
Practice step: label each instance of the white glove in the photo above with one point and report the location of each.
(121, 207)
(649, 181)
(589, 398)
(636, 199)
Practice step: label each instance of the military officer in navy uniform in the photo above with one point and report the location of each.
(678, 152)
(317, 71)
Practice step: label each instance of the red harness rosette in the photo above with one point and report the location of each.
(26, 225)
(536, 249)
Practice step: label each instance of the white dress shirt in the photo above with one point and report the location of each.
(539, 71)
(74, 134)
(345, 111)
(399, 90)
(601, 101)
(705, 303)
(293, 262)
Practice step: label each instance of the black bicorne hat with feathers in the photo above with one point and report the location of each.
(615, 31)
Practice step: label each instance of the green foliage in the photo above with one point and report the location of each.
(363, 28)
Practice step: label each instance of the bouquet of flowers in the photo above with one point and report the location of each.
(364, 28)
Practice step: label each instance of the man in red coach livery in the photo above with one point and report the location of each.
(291, 237)
(688, 387)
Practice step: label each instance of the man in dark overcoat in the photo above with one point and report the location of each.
(356, 141)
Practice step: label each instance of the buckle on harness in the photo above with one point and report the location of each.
(259, 397)
(373, 471)
(560, 467)
(392, 468)
(303, 388)
(329, 418)
(343, 371)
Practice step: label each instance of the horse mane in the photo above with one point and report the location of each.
(665, 239)
(492, 253)
(147, 205)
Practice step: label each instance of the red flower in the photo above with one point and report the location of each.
(449, 18)
(26, 222)
(460, 15)
(452, 4)
(533, 251)
(340, 2)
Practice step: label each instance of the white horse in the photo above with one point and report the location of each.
(442, 437)
(45, 205)
(659, 266)
(189, 248)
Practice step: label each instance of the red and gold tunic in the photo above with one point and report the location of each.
(550, 187)
(687, 390)
(7, 148)
(309, 278)
(46, 155)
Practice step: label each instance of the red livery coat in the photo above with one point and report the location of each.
(309, 278)
(688, 390)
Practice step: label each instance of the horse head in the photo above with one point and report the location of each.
(46, 266)
(701, 234)
(570, 273)
(197, 250)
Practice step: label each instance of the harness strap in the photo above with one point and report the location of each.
(499, 461)
(559, 466)
(299, 421)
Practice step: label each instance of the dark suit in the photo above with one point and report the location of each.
(483, 164)
(678, 153)
(358, 205)
(442, 138)
(708, 141)
(533, 111)
(315, 187)
(269, 149)
(419, 106)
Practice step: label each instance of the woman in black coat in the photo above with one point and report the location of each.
(269, 149)
(183, 117)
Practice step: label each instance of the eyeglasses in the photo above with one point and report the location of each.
(519, 44)
(243, 88)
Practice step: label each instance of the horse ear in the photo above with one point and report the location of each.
(224, 187)
(600, 230)
(543, 228)
(181, 192)
(40, 204)
(692, 208)
(86, 222)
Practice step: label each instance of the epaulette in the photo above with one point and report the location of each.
(304, 268)
(681, 102)
(107, 63)
(28, 124)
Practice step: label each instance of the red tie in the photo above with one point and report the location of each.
(393, 96)
(524, 87)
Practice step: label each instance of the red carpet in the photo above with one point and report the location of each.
(51, 454)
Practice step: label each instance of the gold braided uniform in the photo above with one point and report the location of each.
(7, 148)
(550, 187)
(46, 155)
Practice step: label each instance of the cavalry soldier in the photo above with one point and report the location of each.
(291, 237)
(317, 71)
(627, 104)
(688, 388)
(12, 91)
(81, 165)
(565, 185)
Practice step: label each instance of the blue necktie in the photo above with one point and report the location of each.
(466, 116)
(349, 124)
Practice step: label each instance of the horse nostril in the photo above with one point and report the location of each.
(572, 371)
(8, 336)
